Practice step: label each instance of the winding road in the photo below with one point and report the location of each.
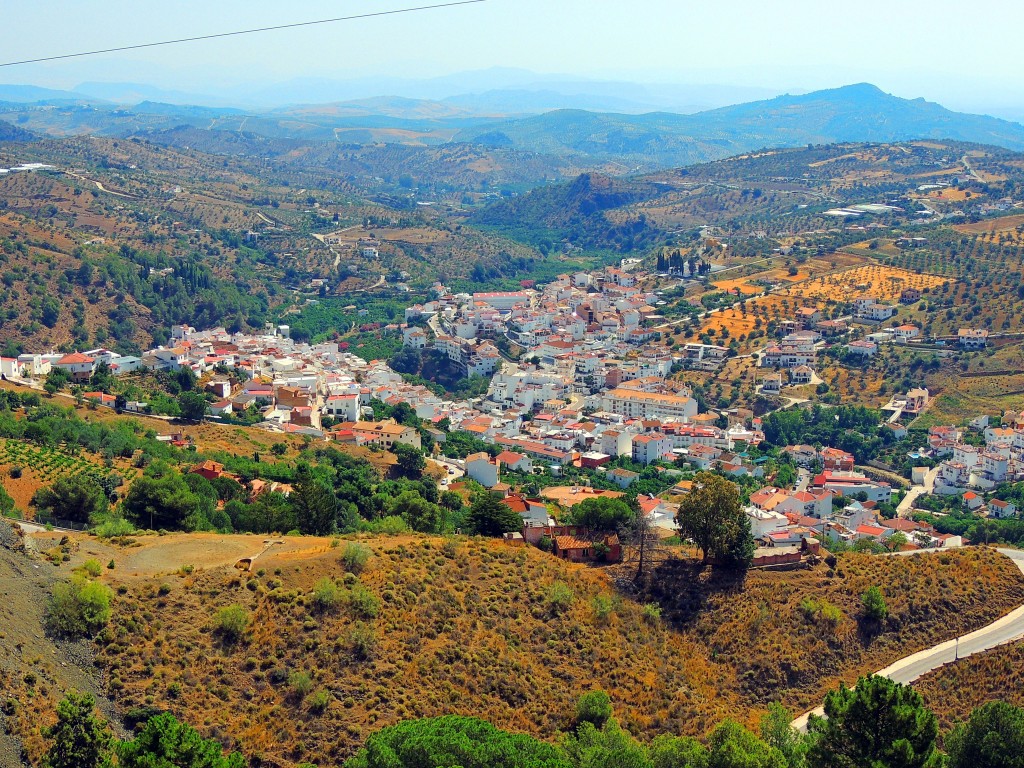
(1005, 630)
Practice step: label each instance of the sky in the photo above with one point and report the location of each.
(964, 55)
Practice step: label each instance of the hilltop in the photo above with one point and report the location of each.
(476, 627)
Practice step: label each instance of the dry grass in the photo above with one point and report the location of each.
(465, 626)
(955, 689)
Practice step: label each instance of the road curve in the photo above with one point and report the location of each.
(1005, 630)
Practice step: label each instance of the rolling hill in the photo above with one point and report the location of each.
(851, 113)
(632, 142)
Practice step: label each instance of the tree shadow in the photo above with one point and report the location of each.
(682, 588)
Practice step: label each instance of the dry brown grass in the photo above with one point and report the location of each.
(465, 626)
(955, 689)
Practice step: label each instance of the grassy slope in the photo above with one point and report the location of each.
(470, 631)
(995, 675)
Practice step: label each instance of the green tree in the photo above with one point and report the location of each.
(162, 499)
(81, 739)
(607, 747)
(490, 516)
(56, 380)
(678, 752)
(777, 731)
(406, 360)
(992, 737)
(874, 605)
(712, 516)
(420, 514)
(6, 502)
(733, 746)
(193, 406)
(166, 742)
(594, 707)
(601, 514)
(410, 461)
(314, 503)
(77, 608)
(876, 723)
(450, 741)
(78, 498)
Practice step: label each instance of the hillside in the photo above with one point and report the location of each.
(436, 626)
(780, 191)
(626, 142)
(995, 675)
(852, 113)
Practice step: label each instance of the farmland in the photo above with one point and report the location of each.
(876, 281)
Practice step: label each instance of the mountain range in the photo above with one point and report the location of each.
(633, 142)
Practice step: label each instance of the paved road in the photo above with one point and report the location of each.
(907, 504)
(999, 632)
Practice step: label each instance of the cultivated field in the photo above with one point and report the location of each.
(875, 280)
(996, 226)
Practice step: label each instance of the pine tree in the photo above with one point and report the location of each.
(80, 738)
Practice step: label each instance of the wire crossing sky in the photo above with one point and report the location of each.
(239, 32)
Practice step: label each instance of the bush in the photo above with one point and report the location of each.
(363, 602)
(355, 556)
(559, 598)
(93, 568)
(603, 607)
(875, 608)
(652, 613)
(326, 595)
(319, 702)
(301, 684)
(231, 623)
(114, 527)
(594, 707)
(78, 608)
(362, 640)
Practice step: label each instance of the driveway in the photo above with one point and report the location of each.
(907, 504)
(1005, 630)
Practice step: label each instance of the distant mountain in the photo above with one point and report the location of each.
(10, 132)
(859, 112)
(28, 94)
(135, 93)
(851, 113)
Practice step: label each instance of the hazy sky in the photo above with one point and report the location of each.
(961, 54)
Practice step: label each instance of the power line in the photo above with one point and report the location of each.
(243, 32)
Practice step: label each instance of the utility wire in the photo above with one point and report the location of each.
(242, 32)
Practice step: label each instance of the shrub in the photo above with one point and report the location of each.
(114, 527)
(301, 684)
(319, 702)
(594, 707)
(231, 623)
(326, 595)
(111, 565)
(78, 608)
(362, 640)
(15, 472)
(652, 613)
(93, 568)
(355, 556)
(603, 607)
(559, 598)
(363, 602)
(875, 608)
